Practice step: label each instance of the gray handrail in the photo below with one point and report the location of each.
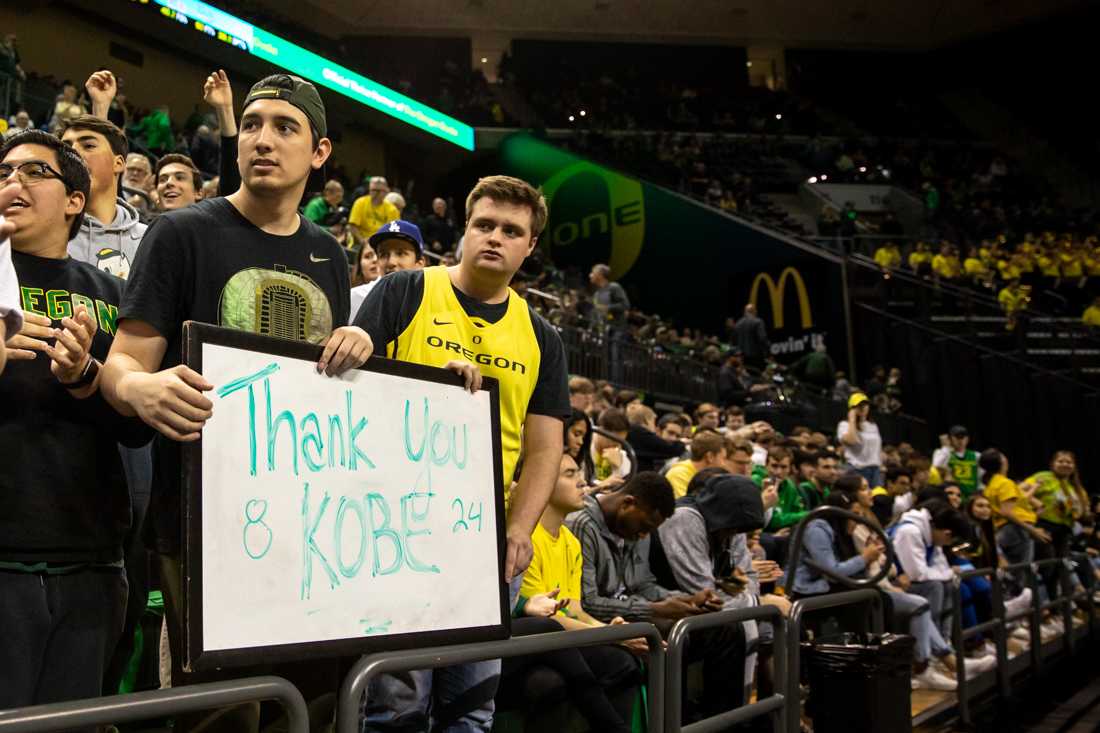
(959, 636)
(63, 716)
(368, 667)
(794, 635)
(823, 512)
(970, 344)
(776, 704)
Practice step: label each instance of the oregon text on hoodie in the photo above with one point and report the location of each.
(111, 248)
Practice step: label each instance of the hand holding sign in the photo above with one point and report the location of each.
(354, 514)
(348, 347)
(170, 401)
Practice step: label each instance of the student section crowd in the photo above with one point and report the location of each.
(695, 519)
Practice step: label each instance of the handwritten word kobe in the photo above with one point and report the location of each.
(369, 520)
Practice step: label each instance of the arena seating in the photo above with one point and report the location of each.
(1021, 372)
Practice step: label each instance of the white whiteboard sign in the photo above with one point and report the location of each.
(330, 515)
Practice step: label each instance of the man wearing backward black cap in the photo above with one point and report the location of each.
(230, 261)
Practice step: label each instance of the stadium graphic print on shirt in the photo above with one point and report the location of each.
(279, 302)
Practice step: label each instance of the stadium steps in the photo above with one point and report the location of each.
(795, 210)
(1057, 344)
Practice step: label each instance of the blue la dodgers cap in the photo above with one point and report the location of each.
(399, 229)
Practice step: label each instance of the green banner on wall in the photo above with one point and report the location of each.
(678, 257)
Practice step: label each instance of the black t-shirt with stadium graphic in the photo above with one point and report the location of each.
(209, 263)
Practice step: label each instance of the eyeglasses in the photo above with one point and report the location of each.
(30, 172)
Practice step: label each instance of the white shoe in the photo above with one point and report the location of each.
(1020, 603)
(977, 665)
(1022, 633)
(930, 679)
(1048, 631)
(986, 649)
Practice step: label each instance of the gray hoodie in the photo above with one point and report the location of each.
(113, 248)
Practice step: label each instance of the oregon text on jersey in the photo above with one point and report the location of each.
(500, 362)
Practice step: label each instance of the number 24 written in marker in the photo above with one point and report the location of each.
(466, 515)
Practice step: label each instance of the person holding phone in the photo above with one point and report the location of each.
(862, 442)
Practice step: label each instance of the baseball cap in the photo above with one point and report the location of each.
(399, 229)
(958, 431)
(300, 93)
(857, 398)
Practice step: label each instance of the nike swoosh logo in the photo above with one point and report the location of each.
(438, 322)
(315, 258)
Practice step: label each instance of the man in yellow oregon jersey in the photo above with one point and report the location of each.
(467, 313)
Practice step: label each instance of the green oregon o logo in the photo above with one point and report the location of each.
(625, 220)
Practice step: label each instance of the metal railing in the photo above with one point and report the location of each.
(639, 366)
(824, 512)
(966, 295)
(64, 716)
(959, 636)
(356, 682)
(776, 705)
(969, 344)
(663, 680)
(808, 605)
(863, 591)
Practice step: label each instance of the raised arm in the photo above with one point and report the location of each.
(218, 93)
(102, 88)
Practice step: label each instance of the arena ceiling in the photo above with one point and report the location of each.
(795, 23)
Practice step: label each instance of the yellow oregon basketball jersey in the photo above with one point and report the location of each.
(507, 350)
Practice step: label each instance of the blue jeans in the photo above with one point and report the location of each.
(873, 474)
(1017, 546)
(935, 592)
(929, 641)
(977, 601)
(458, 699)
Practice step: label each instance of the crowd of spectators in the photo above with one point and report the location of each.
(701, 523)
(1060, 268)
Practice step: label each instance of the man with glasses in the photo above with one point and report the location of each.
(369, 213)
(63, 590)
(739, 457)
(138, 174)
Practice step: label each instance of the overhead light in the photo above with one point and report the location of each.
(484, 59)
(824, 177)
(779, 117)
(748, 64)
(583, 113)
(863, 169)
(572, 118)
(812, 179)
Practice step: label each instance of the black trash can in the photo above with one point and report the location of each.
(860, 682)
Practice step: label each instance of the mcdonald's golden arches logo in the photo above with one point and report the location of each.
(776, 292)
